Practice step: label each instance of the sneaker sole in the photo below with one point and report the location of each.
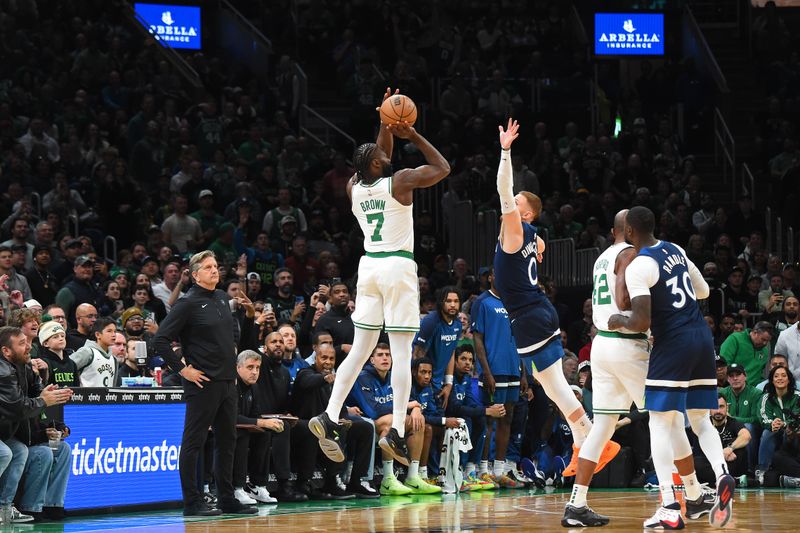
(610, 451)
(329, 447)
(572, 522)
(388, 448)
(722, 511)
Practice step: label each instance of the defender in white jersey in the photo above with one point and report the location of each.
(388, 291)
(619, 368)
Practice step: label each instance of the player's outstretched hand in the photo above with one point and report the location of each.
(508, 135)
(386, 95)
(401, 130)
(616, 322)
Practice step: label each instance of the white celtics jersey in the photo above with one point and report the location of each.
(99, 372)
(387, 224)
(604, 287)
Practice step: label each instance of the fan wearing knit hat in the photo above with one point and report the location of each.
(63, 371)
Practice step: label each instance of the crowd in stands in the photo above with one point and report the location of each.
(100, 137)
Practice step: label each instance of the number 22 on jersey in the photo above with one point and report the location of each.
(601, 295)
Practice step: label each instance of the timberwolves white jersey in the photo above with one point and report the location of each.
(604, 287)
(387, 224)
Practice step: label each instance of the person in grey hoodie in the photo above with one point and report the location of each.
(97, 367)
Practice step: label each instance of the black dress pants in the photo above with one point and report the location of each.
(214, 405)
(252, 457)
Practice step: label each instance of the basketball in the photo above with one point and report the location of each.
(398, 108)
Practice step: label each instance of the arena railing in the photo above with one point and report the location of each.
(559, 261)
(768, 224)
(36, 200)
(748, 183)
(725, 150)
(584, 263)
(790, 242)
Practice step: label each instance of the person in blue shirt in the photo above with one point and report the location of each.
(437, 339)
(465, 404)
(499, 376)
(422, 391)
(291, 356)
(260, 258)
(372, 393)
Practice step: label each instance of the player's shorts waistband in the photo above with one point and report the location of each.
(396, 253)
(618, 335)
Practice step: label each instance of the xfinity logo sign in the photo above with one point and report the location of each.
(628, 34)
(174, 26)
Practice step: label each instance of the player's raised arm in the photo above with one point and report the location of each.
(408, 179)
(511, 235)
(385, 140)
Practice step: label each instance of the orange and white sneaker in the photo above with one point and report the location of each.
(506, 482)
(610, 451)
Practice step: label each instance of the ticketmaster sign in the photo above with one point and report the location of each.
(619, 34)
(175, 26)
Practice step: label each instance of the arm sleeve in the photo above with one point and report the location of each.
(640, 275)
(82, 358)
(505, 183)
(728, 349)
(765, 411)
(426, 333)
(14, 405)
(701, 289)
(170, 330)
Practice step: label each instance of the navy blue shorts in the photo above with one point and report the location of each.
(682, 373)
(537, 337)
(506, 390)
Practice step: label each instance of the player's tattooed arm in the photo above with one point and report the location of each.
(639, 320)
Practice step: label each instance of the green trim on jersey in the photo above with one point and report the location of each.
(397, 253)
(619, 335)
(374, 183)
(408, 329)
(366, 326)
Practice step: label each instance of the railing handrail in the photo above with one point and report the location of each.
(246, 22)
(174, 58)
(768, 225)
(329, 124)
(749, 182)
(722, 140)
(790, 244)
(582, 36)
(716, 71)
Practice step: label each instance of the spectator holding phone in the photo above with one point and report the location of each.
(771, 299)
(285, 304)
(337, 320)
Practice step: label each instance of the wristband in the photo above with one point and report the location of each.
(448, 379)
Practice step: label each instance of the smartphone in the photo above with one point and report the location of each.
(267, 308)
(299, 300)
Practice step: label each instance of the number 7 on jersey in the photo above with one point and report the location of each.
(376, 217)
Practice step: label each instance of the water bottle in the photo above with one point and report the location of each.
(157, 372)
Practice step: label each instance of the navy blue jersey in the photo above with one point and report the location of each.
(439, 340)
(516, 276)
(490, 319)
(372, 394)
(431, 410)
(673, 301)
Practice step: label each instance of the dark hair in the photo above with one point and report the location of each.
(421, 361)
(318, 334)
(141, 287)
(441, 296)
(763, 327)
(230, 282)
(381, 346)
(7, 333)
(6, 249)
(102, 323)
(362, 158)
(465, 348)
(641, 219)
(769, 388)
(780, 356)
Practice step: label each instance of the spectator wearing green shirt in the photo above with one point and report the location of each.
(749, 349)
(209, 220)
(744, 405)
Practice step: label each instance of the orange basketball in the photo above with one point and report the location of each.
(398, 108)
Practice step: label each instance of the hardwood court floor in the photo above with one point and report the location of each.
(507, 511)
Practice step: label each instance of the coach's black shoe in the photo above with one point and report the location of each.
(201, 509)
(363, 490)
(395, 445)
(287, 493)
(236, 507)
(331, 436)
(582, 517)
(55, 514)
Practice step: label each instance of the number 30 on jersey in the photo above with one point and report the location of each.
(680, 293)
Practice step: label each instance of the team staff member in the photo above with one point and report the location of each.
(202, 322)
